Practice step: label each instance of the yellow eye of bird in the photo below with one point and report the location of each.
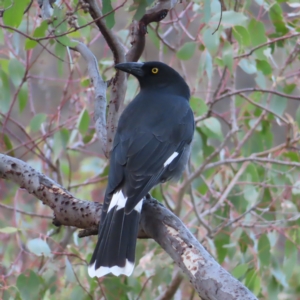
(154, 70)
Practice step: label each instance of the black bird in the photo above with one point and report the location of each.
(151, 145)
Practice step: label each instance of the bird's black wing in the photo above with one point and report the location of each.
(143, 155)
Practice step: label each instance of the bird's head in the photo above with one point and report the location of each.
(156, 75)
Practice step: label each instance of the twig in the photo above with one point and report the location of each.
(264, 108)
(24, 212)
(226, 192)
(172, 288)
(196, 173)
(246, 90)
(198, 216)
(251, 158)
(266, 44)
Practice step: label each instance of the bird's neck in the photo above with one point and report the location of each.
(171, 89)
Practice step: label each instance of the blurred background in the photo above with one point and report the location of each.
(240, 195)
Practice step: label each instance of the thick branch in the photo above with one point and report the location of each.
(67, 209)
(209, 279)
(100, 93)
(119, 82)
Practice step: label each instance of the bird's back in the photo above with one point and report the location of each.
(151, 145)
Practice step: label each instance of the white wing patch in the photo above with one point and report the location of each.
(170, 159)
(117, 199)
(115, 270)
(138, 207)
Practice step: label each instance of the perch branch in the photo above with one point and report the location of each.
(209, 279)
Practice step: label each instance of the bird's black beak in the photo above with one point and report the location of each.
(133, 68)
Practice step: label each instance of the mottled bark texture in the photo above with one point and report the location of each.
(209, 279)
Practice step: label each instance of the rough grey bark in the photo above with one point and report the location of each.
(100, 93)
(209, 279)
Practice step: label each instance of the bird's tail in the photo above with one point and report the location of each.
(115, 249)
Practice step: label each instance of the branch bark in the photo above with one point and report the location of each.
(209, 279)
(100, 94)
(119, 82)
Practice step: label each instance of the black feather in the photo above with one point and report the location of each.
(157, 123)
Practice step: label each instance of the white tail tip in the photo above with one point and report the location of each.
(115, 270)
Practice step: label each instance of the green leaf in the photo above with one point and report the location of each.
(60, 51)
(70, 276)
(14, 13)
(88, 136)
(289, 88)
(8, 145)
(153, 37)
(1, 37)
(83, 122)
(29, 286)
(140, 7)
(198, 106)
(250, 194)
(208, 65)
(276, 17)
(85, 82)
(39, 32)
(251, 173)
(290, 259)
(4, 64)
(296, 188)
(23, 97)
(16, 71)
(252, 281)
(65, 41)
(264, 66)
(9, 230)
(186, 51)
(78, 293)
(109, 19)
(36, 122)
(278, 104)
(242, 36)
(207, 11)
(227, 54)
(264, 250)
(39, 247)
(211, 127)
(61, 139)
(221, 240)
(118, 288)
(5, 92)
(210, 40)
(240, 270)
(247, 66)
(257, 34)
(229, 19)
(298, 116)
(245, 241)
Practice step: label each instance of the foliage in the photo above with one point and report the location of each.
(240, 197)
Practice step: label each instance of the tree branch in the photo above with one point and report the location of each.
(209, 279)
(100, 94)
(172, 288)
(119, 82)
(67, 209)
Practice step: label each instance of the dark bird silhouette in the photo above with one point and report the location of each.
(152, 145)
